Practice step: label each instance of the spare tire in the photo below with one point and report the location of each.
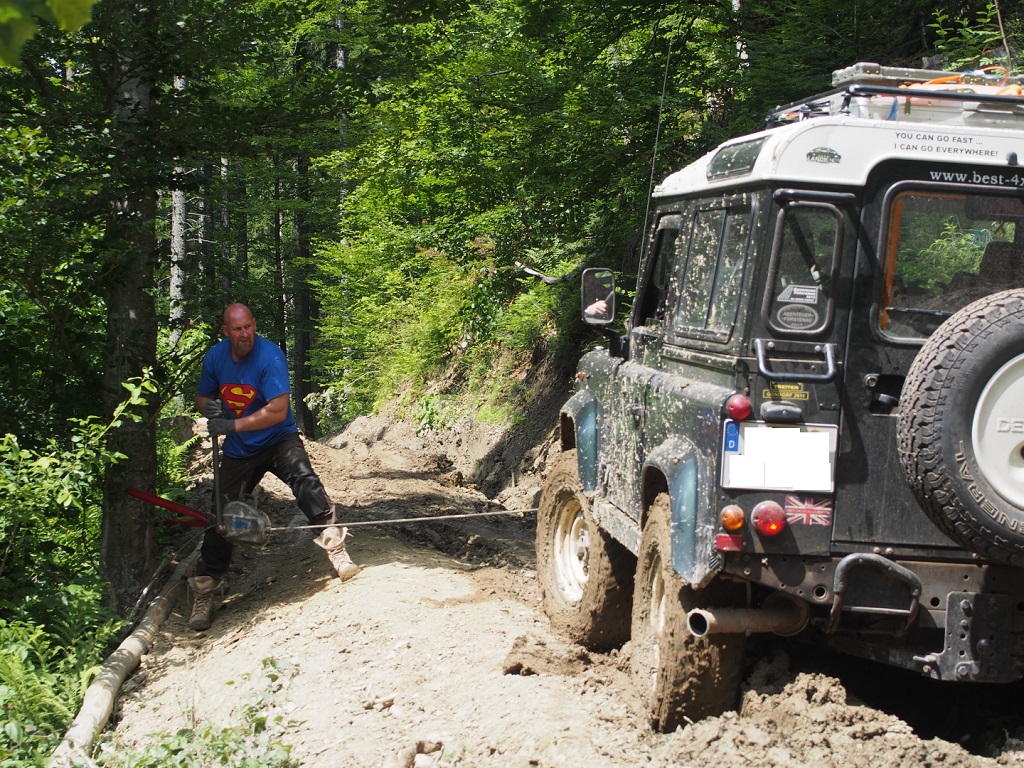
(960, 430)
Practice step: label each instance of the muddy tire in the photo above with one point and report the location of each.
(681, 676)
(960, 430)
(586, 577)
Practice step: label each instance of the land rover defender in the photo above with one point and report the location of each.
(814, 422)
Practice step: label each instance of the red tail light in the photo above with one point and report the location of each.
(769, 518)
(739, 407)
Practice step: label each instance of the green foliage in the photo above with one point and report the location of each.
(968, 41)
(18, 22)
(59, 624)
(928, 261)
(34, 701)
(179, 355)
(50, 504)
(51, 321)
(253, 743)
(250, 745)
(791, 48)
(432, 412)
(173, 462)
(399, 321)
(508, 132)
(45, 670)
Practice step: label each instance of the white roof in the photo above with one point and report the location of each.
(842, 149)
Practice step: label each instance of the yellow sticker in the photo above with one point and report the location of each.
(778, 390)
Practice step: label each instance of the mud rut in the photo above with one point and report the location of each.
(438, 653)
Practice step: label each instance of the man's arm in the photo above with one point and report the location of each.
(201, 401)
(270, 414)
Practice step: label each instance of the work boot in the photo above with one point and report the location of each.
(332, 540)
(204, 596)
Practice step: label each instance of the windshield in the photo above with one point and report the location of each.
(944, 250)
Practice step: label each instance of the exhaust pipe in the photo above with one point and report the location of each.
(780, 614)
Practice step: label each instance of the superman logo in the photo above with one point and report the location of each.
(237, 397)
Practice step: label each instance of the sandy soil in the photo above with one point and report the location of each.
(438, 654)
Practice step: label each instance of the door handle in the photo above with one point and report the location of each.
(760, 349)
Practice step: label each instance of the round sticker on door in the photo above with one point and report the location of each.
(797, 317)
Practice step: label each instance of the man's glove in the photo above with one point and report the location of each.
(213, 409)
(220, 426)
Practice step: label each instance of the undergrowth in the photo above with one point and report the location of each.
(57, 625)
(254, 743)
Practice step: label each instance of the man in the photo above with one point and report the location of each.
(245, 394)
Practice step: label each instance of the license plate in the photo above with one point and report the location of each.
(774, 457)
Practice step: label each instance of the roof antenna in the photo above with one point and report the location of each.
(661, 110)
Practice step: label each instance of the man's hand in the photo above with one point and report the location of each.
(220, 426)
(213, 409)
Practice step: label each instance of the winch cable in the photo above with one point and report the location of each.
(395, 520)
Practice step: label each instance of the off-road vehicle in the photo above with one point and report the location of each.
(814, 422)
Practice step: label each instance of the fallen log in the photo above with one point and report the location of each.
(98, 703)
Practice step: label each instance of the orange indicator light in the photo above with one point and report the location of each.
(733, 517)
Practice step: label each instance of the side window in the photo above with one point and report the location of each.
(712, 273)
(659, 272)
(699, 271)
(804, 256)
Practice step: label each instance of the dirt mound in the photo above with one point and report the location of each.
(789, 718)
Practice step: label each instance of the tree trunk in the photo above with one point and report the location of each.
(128, 549)
(279, 258)
(302, 304)
(211, 299)
(179, 251)
(234, 268)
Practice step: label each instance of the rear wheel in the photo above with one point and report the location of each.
(586, 576)
(683, 677)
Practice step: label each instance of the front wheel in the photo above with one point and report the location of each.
(586, 577)
(682, 677)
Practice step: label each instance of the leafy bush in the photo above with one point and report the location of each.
(242, 746)
(52, 506)
(254, 743)
(968, 42)
(57, 624)
(432, 412)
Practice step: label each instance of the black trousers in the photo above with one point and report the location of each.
(288, 461)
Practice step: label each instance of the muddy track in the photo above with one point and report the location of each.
(438, 653)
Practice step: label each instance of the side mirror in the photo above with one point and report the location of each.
(597, 295)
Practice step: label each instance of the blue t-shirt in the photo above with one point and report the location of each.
(245, 387)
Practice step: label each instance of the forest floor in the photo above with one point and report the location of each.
(438, 652)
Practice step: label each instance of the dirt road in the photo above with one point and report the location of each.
(438, 654)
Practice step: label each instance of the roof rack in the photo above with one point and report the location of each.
(871, 91)
(869, 73)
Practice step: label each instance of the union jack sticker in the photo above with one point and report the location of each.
(805, 511)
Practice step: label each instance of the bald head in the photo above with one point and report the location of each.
(240, 329)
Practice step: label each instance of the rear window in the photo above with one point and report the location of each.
(944, 250)
(804, 260)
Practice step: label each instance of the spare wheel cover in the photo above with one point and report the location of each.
(960, 429)
(998, 432)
